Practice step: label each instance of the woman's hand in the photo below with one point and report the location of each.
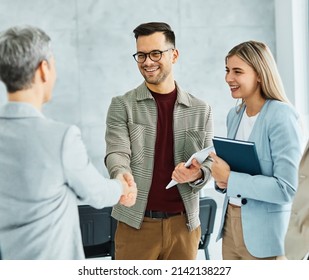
(220, 171)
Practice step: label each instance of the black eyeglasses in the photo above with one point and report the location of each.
(154, 55)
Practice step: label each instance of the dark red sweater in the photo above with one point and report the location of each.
(159, 198)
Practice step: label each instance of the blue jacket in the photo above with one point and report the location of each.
(266, 198)
(44, 173)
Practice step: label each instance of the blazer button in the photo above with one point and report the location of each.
(238, 195)
(244, 201)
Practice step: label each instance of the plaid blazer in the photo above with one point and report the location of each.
(130, 144)
(296, 239)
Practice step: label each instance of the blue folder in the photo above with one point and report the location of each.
(241, 156)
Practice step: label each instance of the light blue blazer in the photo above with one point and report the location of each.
(266, 199)
(44, 169)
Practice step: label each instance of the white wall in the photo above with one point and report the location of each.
(292, 45)
(93, 44)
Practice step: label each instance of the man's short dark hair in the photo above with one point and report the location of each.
(149, 28)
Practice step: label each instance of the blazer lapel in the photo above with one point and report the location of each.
(259, 122)
(232, 130)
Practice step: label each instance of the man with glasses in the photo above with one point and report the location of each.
(151, 131)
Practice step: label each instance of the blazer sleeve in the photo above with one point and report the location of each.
(85, 180)
(118, 142)
(285, 145)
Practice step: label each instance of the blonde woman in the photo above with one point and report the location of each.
(256, 208)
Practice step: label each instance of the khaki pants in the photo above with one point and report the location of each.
(233, 246)
(158, 239)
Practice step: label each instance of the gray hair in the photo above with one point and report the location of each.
(22, 49)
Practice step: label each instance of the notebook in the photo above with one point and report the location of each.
(240, 155)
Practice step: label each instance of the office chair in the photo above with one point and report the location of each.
(98, 230)
(208, 209)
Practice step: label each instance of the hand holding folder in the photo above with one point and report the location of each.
(241, 156)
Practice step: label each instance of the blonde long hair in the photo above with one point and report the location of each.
(259, 57)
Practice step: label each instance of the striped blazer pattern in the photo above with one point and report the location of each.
(130, 144)
(297, 237)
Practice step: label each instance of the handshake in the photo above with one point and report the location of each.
(128, 197)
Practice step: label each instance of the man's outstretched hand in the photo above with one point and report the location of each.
(128, 197)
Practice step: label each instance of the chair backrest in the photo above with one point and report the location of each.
(98, 230)
(208, 209)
